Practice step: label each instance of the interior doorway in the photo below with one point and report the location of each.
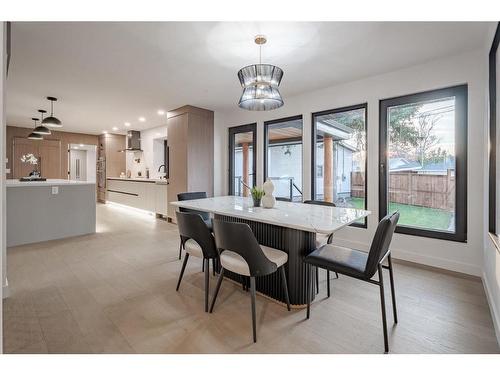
(82, 162)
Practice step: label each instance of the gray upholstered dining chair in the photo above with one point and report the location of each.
(322, 239)
(204, 215)
(198, 242)
(239, 252)
(361, 265)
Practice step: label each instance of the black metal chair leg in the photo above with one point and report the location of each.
(285, 286)
(252, 295)
(186, 257)
(207, 281)
(180, 250)
(216, 292)
(308, 292)
(328, 283)
(213, 266)
(317, 280)
(393, 294)
(203, 266)
(382, 302)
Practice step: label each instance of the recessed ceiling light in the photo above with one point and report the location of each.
(161, 112)
(127, 124)
(115, 128)
(142, 119)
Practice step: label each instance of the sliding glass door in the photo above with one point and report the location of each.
(242, 159)
(423, 162)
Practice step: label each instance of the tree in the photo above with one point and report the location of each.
(426, 140)
(402, 133)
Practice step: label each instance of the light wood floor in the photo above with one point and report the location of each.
(114, 292)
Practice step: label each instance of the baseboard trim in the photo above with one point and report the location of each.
(494, 313)
(5, 290)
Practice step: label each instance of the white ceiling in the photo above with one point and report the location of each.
(109, 73)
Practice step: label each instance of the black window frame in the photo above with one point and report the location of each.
(313, 152)
(460, 92)
(232, 131)
(266, 143)
(492, 184)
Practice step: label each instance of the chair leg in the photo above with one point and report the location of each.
(186, 257)
(207, 281)
(382, 302)
(393, 294)
(328, 283)
(252, 295)
(285, 286)
(213, 266)
(308, 291)
(219, 281)
(180, 250)
(203, 266)
(317, 280)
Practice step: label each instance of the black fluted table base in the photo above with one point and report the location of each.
(297, 244)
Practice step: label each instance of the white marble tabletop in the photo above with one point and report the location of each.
(306, 217)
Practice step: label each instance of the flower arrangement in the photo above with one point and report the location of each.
(257, 195)
(29, 159)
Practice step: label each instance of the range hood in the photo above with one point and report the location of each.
(133, 140)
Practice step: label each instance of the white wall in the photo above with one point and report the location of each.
(467, 68)
(3, 127)
(152, 152)
(491, 257)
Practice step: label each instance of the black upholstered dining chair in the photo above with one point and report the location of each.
(239, 252)
(283, 199)
(204, 215)
(199, 242)
(322, 239)
(361, 265)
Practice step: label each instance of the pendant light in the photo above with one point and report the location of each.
(34, 136)
(42, 130)
(51, 121)
(260, 84)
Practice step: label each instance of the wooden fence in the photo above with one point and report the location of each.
(427, 190)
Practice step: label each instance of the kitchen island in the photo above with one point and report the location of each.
(290, 227)
(48, 210)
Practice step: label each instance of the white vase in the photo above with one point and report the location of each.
(268, 200)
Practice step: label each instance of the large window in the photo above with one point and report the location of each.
(339, 157)
(423, 162)
(283, 157)
(242, 159)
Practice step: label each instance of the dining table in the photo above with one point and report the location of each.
(288, 226)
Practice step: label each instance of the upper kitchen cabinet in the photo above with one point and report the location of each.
(191, 152)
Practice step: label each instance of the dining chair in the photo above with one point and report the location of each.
(198, 242)
(283, 199)
(240, 253)
(204, 215)
(322, 239)
(361, 265)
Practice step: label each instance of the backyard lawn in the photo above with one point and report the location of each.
(415, 216)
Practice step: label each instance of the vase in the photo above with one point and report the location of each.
(256, 202)
(268, 200)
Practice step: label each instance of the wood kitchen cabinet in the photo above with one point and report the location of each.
(110, 161)
(191, 152)
(47, 151)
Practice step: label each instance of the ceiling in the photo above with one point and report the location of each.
(108, 73)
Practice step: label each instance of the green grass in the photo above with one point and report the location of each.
(415, 216)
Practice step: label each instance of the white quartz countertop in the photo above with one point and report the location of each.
(49, 182)
(306, 217)
(141, 179)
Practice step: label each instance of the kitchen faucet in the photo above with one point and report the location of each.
(164, 168)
